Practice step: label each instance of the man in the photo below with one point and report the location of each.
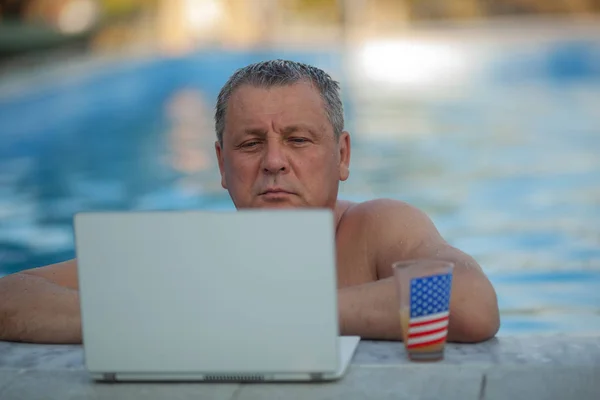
(281, 143)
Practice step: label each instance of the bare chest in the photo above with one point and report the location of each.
(355, 263)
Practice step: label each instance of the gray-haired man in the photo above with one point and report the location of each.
(281, 143)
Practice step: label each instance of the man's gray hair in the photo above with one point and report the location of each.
(271, 73)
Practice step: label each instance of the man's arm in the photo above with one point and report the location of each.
(402, 232)
(41, 305)
(370, 310)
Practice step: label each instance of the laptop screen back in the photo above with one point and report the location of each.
(215, 292)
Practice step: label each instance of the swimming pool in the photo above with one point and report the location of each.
(508, 168)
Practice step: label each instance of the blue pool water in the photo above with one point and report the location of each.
(509, 171)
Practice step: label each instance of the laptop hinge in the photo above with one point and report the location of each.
(316, 376)
(109, 377)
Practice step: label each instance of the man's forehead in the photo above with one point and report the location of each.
(290, 104)
(248, 95)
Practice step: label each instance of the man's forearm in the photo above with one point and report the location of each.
(52, 316)
(474, 314)
(370, 310)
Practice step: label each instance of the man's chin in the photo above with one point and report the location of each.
(289, 201)
(273, 202)
(278, 204)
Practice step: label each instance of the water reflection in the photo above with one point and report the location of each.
(190, 139)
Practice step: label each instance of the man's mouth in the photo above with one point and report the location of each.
(276, 192)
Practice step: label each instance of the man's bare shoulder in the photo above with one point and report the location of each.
(391, 228)
(387, 214)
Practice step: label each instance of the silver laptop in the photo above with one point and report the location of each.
(238, 296)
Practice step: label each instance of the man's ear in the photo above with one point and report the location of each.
(344, 154)
(219, 151)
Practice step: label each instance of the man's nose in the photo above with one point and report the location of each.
(274, 160)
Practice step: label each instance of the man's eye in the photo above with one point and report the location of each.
(249, 144)
(298, 140)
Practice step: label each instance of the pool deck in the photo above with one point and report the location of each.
(506, 367)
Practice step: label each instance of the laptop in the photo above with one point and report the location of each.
(235, 296)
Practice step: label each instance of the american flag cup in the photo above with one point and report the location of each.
(424, 288)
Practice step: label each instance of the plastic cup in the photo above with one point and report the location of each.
(423, 288)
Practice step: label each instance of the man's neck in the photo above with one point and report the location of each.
(341, 207)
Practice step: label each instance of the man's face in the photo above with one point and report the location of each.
(279, 149)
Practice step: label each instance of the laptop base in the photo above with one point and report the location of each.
(347, 345)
